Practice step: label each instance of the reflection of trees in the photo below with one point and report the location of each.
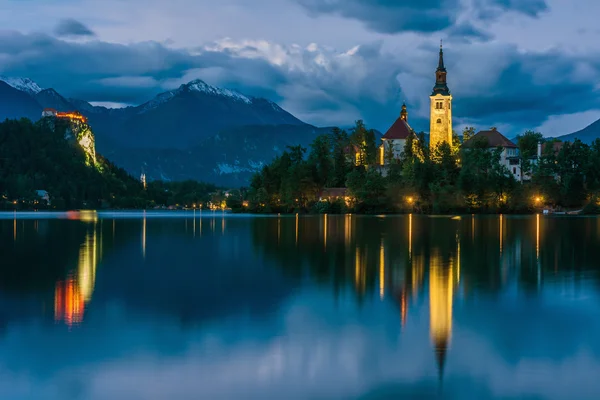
(398, 258)
(40, 253)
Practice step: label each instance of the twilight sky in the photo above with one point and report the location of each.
(514, 64)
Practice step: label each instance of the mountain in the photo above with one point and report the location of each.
(196, 131)
(16, 103)
(23, 84)
(586, 135)
(184, 117)
(50, 98)
(229, 158)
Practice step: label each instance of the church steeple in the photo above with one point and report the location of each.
(441, 60)
(440, 76)
(404, 113)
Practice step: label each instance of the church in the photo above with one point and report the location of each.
(440, 126)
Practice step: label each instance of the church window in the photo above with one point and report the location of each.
(439, 121)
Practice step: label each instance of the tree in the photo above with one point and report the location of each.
(468, 133)
(528, 147)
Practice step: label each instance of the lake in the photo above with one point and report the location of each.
(191, 305)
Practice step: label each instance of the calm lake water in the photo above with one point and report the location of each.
(213, 306)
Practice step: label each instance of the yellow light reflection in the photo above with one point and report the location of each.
(381, 270)
(537, 236)
(296, 229)
(441, 292)
(72, 295)
(325, 232)
(410, 235)
(501, 233)
(15, 228)
(144, 236)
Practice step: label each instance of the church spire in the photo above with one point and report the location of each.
(404, 113)
(440, 76)
(441, 60)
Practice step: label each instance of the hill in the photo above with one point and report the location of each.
(47, 155)
(16, 103)
(586, 135)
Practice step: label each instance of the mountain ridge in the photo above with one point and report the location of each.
(196, 131)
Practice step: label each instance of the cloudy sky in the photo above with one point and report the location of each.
(514, 64)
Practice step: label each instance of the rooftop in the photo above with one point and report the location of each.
(494, 139)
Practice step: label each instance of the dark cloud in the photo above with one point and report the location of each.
(390, 16)
(423, 16)
(467, 32)
(532, 87)
(72, 27)
(490, 9)
(492, 84)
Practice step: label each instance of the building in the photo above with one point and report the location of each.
(394, 140)
(48, 112)
(71, 115)
(510, 151)
(440, 125)
(43, 196)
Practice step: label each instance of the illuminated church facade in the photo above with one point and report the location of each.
(440, 124)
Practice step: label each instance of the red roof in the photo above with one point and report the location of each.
(494, 139)
(399, 130)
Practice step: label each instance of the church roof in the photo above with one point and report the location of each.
(399, 130)
(494, 139)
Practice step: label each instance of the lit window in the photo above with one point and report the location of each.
(439, 121)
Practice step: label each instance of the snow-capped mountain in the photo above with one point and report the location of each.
(23, 84)
(196, 131)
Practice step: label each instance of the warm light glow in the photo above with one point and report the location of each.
(72, 115)
(538, 199)
(410, 200)
(410, 235)
(72, 295)
(441, 288)
(325, 232)
(381, 269)
(501, 233)
(144, 236)
(537, 236)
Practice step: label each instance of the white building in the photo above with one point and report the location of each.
(49, 112)
(510, 151)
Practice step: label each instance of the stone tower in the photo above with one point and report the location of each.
(440, 127)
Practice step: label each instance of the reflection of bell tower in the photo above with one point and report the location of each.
(442, 281)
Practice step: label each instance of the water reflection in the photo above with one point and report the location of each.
(323, 306)
(73, 294)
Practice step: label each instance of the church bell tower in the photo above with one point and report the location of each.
(440, 126)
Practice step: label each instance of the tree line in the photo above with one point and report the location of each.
(36, 156)
(447, 179)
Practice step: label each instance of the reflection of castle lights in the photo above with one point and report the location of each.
(71, 296)
(68, 303)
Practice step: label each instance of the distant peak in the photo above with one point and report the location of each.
(199, 85)
(22, 84)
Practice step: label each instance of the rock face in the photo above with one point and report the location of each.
(77, 133)
(80, 132)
